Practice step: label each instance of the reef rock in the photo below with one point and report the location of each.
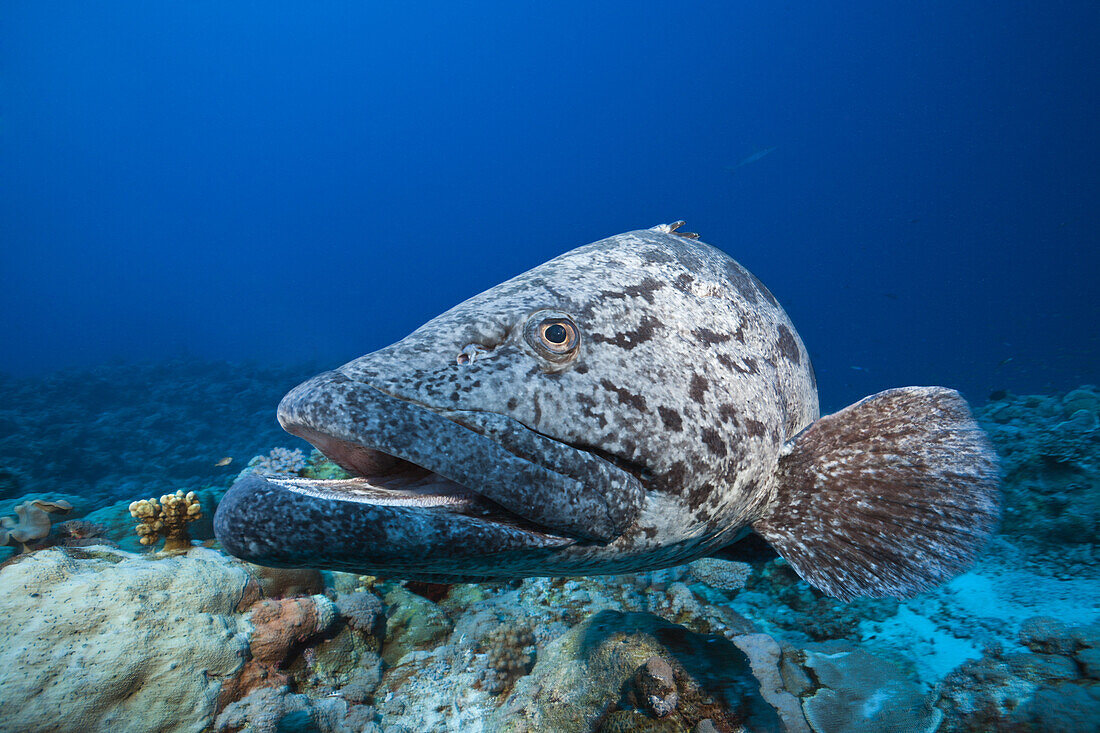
(857, 691)
(636, 672)
(101, 639)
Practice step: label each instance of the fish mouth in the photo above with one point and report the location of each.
(431, 491)
(383, 480)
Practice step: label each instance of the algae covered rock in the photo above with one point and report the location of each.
(413, 624)
(105, 639)
(638, 672)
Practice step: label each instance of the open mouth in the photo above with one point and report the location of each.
(381, 479)
(480, 465)
(431, 494)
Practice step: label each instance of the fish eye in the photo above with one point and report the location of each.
(553, 335)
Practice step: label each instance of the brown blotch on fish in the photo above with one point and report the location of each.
(707, 337)
(645, 290)
(670, 418)
(787, 345)
(713, 440)
(626, 397)
(698, 388)
(630, 339)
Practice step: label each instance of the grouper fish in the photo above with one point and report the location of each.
(632, 404)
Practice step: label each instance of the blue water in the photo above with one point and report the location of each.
(204, 203)
(293, 181)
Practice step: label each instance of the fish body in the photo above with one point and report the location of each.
(632, 404)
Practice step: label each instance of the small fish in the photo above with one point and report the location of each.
(632, 404)
(750, 159)
(225, 461)
(1003, 362)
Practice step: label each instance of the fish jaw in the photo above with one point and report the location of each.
(425, 485)
(300, 523)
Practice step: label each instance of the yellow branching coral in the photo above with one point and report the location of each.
(167, 518)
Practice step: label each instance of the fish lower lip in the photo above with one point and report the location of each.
(348, 524)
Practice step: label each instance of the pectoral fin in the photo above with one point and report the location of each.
(887, 497)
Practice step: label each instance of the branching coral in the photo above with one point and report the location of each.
(167, 519)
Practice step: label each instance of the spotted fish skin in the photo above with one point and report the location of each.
(659, 435)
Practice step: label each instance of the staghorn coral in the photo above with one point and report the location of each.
(33, 523)
(167, 519)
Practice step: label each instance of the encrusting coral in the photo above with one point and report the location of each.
(167, 519)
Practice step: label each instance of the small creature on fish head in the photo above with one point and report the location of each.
(632, 404)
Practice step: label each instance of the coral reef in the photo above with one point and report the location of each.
(121, 432)
(724, 575)
(167, 518)
(278, 630)
(854, 691)
(510, 654)
(715, 645)
(361, 610)
(277, 710)
(1049, 447)
(673, 678)
(1052, 686)
(318, 466)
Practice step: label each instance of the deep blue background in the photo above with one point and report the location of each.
(313, 180)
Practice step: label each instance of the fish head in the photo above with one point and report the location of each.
(619, 406)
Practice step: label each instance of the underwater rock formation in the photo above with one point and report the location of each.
(636, 672)
(98, 638)
(1049, 449)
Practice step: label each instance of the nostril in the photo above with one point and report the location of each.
(470, 353)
